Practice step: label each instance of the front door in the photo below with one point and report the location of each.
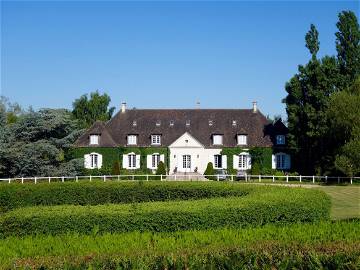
(186, 163)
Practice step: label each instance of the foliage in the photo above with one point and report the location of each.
(35, 144)
(86, 193)
(323, 245)
(116, 168)
(88, 110)
(209, 171)
(161, 170)
(261, 206)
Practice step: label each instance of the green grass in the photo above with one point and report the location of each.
(317, 245)
(345, 201)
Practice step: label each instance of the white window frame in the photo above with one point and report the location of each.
(280, 161)
(156, 139)
(280, 139)
(131, 161)
(211, 122)
(94, 161)
(234, 123)
(155, 160)
(217, 139)
(243, 161)
(242, 139)
(218, 161)
(132, 139)
(94, 139)
(187, 123)
(186, 159)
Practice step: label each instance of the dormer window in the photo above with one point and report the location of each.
(187, 123)
(134, 123)
(242, 139)
(171, 123)
(211, 122)
(233, 123)
(132, 139)
(94, 139)
(156, 139)
(217, 139)
(280, 139)
(158, 123)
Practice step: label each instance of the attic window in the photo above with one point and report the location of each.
(134, 123)
(94, 139)
(211, 122)
(158, 123)
(234, 123)
(187, 123)
(171, 123)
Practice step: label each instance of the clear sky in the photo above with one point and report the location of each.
(159, 54)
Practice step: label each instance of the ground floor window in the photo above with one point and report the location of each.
(243, 161)
(186, 161)
(94, 161)
(282, 161)
(132, 160)
(155, 159)
(218, 161)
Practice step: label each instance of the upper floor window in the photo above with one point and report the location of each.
(155, 139)
(234, 122)
(94, 139)
(187, 123)
(280, 139)
(211, 122)
(158, 123)
(171, 123)
(217, 139)
(134, 123)
(242, 139)
(132, 139)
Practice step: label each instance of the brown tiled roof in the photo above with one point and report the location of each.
(115, 131)
(98, 128)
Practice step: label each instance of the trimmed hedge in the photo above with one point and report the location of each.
(94, 193)
(324, 245)
(261, 206)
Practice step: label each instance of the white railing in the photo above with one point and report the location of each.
(186, 177)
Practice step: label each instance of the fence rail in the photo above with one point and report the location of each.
(186, 177)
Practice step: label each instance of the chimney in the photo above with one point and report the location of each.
(198, 105)
(254, 106)
(123, 107)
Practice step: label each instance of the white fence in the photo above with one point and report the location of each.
(186, 177)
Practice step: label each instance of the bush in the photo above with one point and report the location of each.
(209, 172)
(116, 168)
(161, 170)
(261, 206)
(94, 193)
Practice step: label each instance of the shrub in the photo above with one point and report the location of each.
(161, 170)
(261, 206)
(209, 172)
(86, 193)
(116, 168)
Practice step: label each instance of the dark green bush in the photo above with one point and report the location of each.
(94, 193)
(209, 171)
(116, 168)
(161, 170)
(261, 206)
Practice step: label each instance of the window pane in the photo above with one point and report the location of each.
(217, 139)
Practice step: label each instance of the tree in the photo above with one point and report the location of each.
(312, 41)
(209, 172)
(88, 110)
(161, 170)
(348, 47)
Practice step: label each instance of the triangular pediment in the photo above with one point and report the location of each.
(186, 141)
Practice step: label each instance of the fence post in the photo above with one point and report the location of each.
(326, 179)
(9, 180)
(287, 178)
(350, 180)
(245, 177)
(22, 180)
(313, 178)
(147, 177)
(49, 179)
(35, 180)
(161, 177)
(104, 178)
(232, 177)
(76, 178)
(217, 177)
(259, 178)
(300, 178)
(90, 178)
(273, 179)
(62, 179)
(118, 177)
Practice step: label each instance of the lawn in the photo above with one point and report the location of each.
(345, 201)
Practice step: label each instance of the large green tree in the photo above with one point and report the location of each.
(88, 110)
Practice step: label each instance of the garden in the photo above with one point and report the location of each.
(174, 225)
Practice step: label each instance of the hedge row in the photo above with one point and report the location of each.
(85, 193)
(261, 206)
(324, 245)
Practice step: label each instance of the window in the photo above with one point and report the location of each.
(282, 161)
(280, 139)
(218, 161)
(155, 159)
(132, 160)
(94, 139)
(242, 139)
(187, 123)
(186, 161)
(94, 161)
(155, 139)
(243, 161)
(132, 139)
(234, 123)
(158, 123)
(171, 123)
(211, 122)
(134, 123)
(217, 139)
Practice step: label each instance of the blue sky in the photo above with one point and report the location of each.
(159, 54)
